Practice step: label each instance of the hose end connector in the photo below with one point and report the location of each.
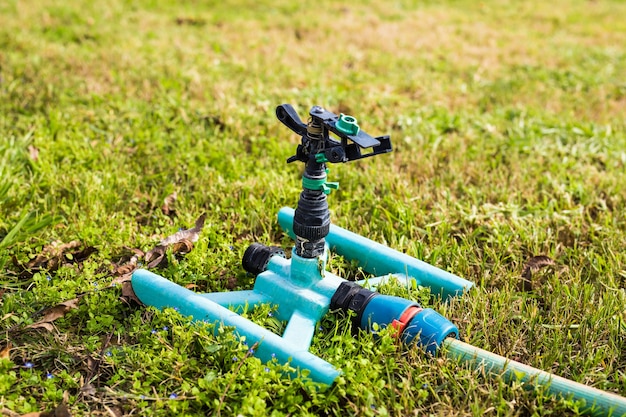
(412, 323)
(429, 329)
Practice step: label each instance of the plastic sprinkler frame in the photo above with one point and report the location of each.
(304, 291)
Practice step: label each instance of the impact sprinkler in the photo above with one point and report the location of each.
(304, 291)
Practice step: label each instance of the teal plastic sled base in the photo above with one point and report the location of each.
(302, 289)
(285, 284)
(159, 292)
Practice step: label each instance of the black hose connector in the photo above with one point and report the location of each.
(257, 256)
(350, 296)
(311, 219)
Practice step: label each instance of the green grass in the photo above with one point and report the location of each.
(509, 132)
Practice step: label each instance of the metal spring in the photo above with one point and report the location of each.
(314, 130)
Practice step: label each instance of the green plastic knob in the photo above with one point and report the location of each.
(321, 158)
(348, 125)
(329, 186)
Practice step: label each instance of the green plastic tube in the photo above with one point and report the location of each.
(597, 402)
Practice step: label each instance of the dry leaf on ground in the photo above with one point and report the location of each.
(128, 294)
(191, 235)
(5, 353)
(121, 279)
(51, 253)
(180, 242)
(54, 255)
(53, 313)
(169, 204)
(62, 410)
(533, 265)
(131, 265)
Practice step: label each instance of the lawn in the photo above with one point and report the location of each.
(122, 122)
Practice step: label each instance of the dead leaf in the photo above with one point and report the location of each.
(128, 294)
(169, 204)
(54, 255)
(191, 21)
(121, 279)
(33, 153)
(132, 264)
(62, 410)
(138, 252)
(5, 353)
(533, 265)
(10, 413)
(180, 242)
(88, 389)
(155, 256)
(113, 411)
(82, 255)
(232, 283)
(53, 313)
(536, 263)
(126, 269)
(50, 252)
(192, 234)
(184, 246)
(48, 326)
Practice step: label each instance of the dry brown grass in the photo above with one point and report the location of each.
(428, 55)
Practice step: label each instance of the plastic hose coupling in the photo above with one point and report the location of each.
(413, 323)
(257, 256)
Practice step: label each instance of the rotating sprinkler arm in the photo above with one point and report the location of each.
(349, 147)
